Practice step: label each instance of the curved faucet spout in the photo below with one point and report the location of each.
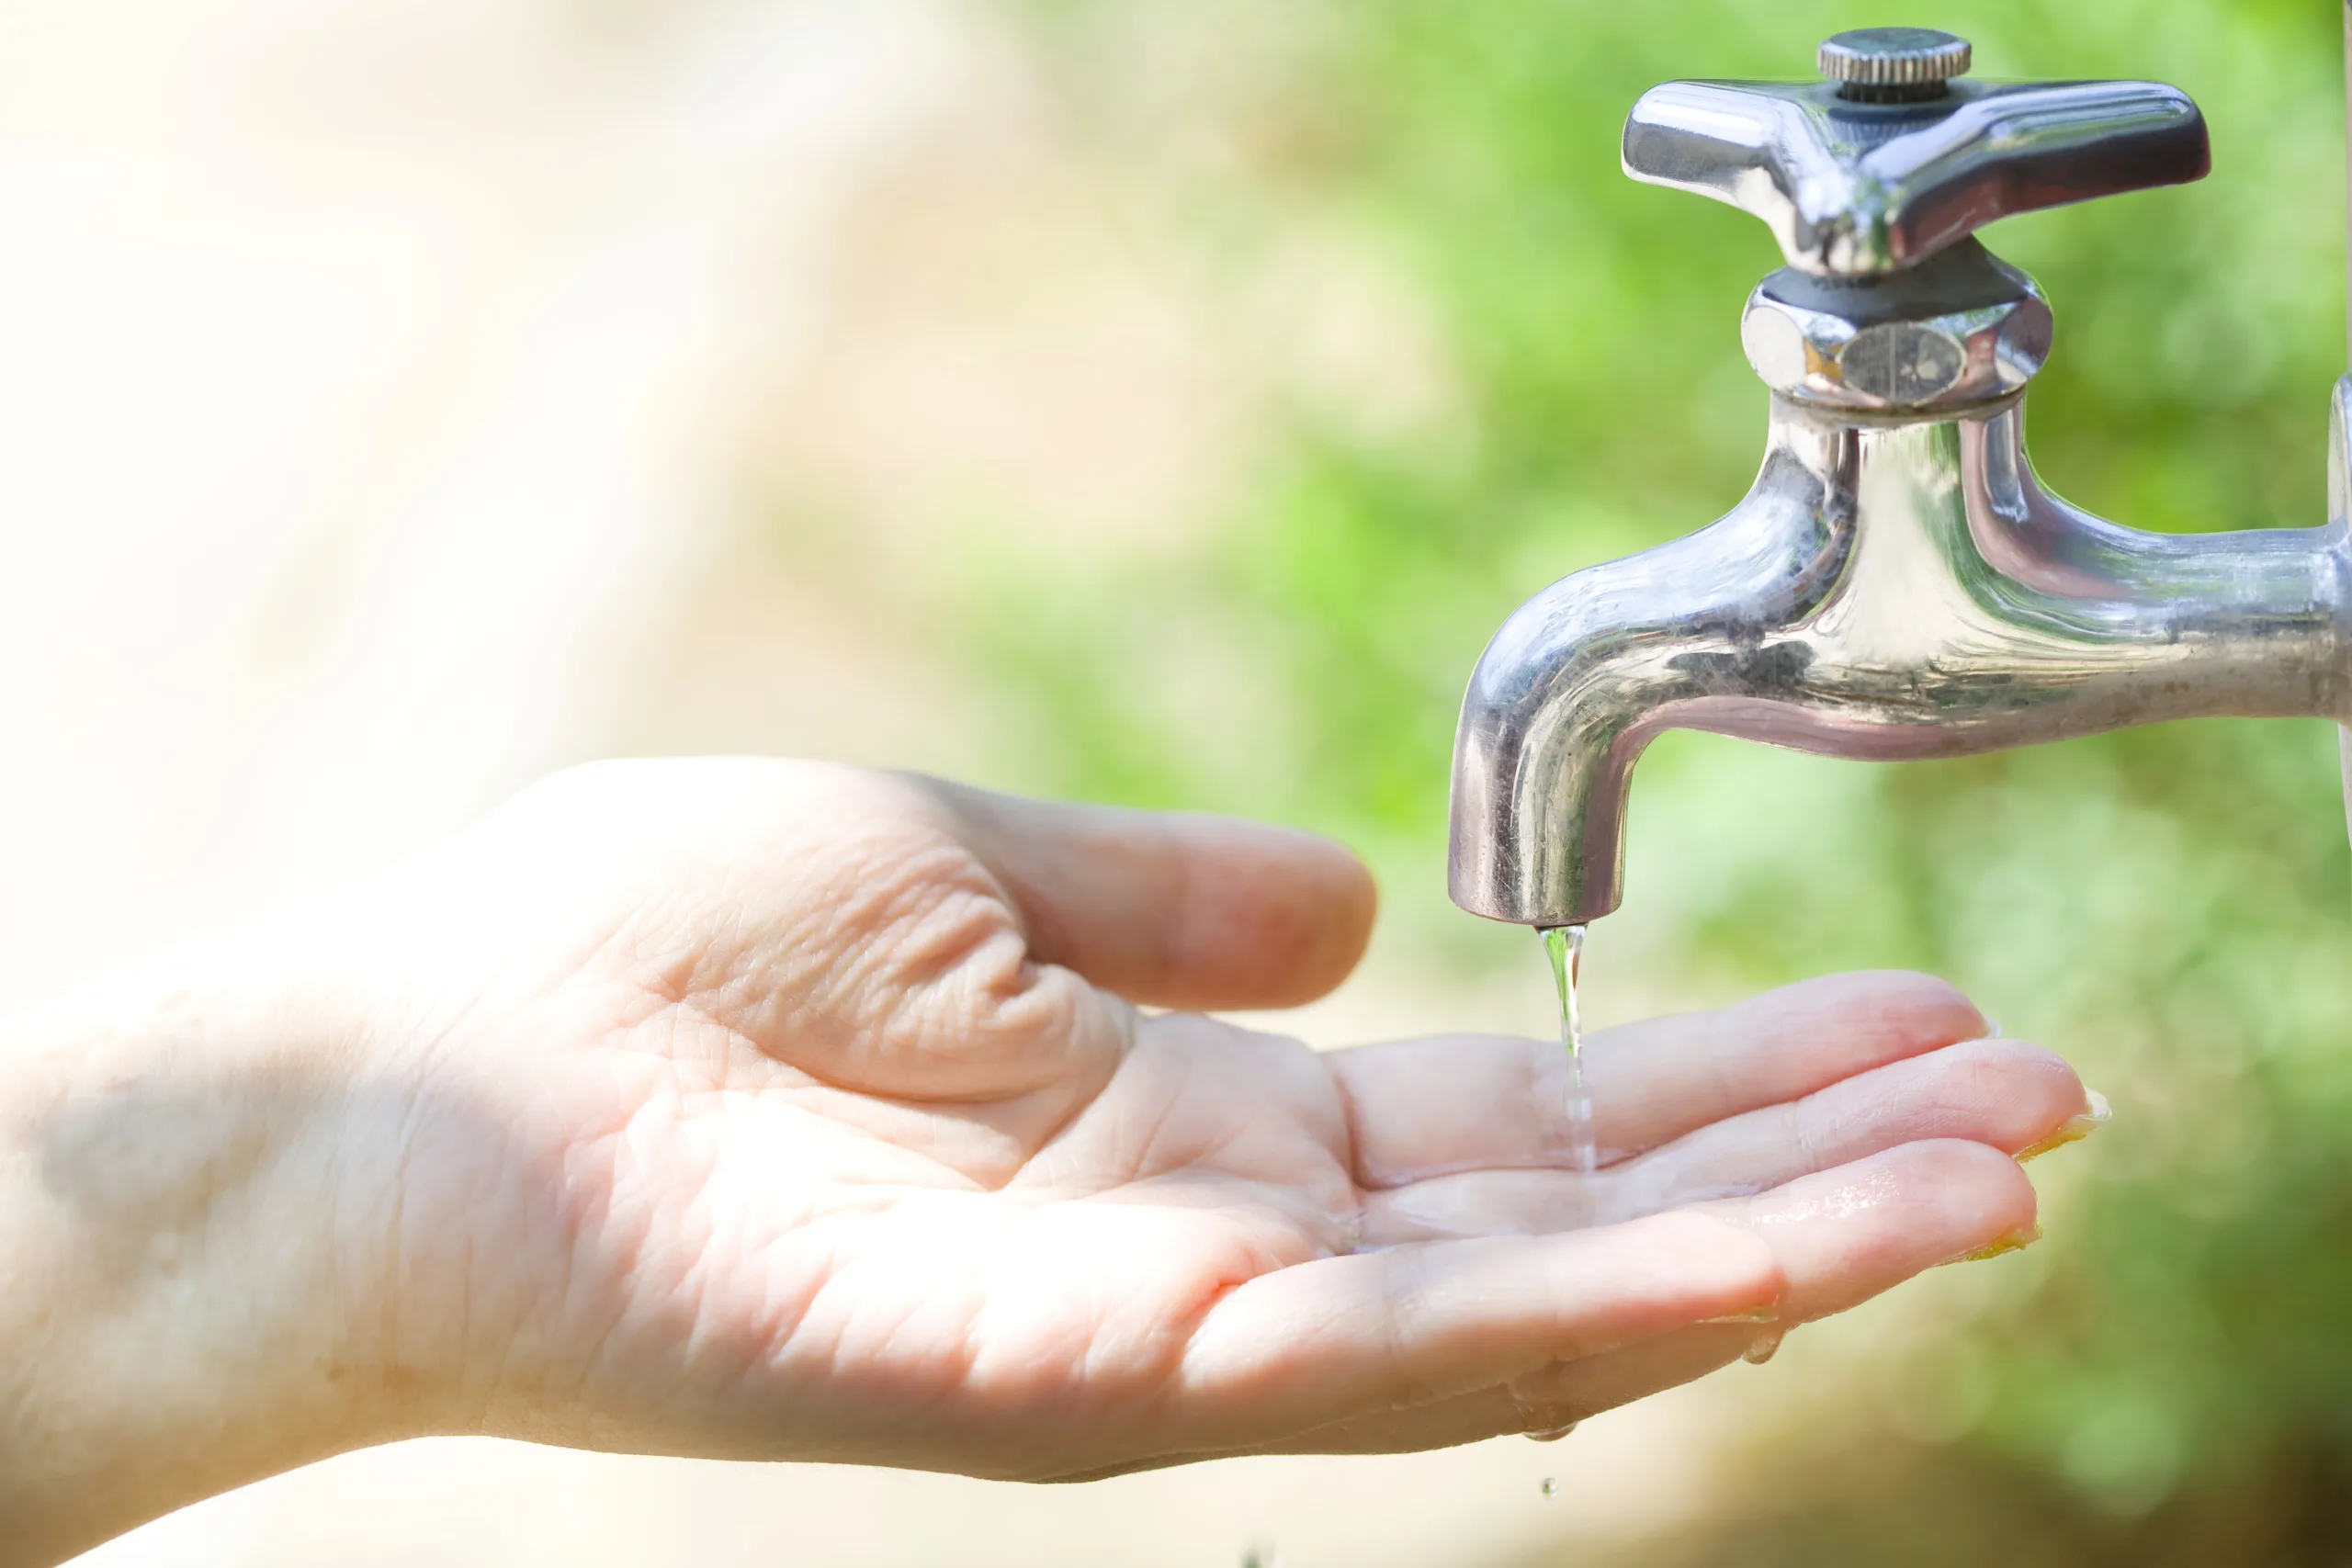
(1884, 590)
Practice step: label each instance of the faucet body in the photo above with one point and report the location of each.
(1885, 590)
(1896, 583)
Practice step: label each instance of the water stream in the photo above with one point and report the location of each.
(2344, 736)
(1564, 946)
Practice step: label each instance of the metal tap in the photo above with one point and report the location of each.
(1897, 584)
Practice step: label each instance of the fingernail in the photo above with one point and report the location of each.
(2015, 1241)
(2096, 1114)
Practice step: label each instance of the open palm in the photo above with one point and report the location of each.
(775, 1111)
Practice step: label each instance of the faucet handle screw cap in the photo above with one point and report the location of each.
(1892, 64)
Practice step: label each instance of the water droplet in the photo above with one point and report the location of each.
(1551, 1434)
(1551, 1486)
(1763, 1347)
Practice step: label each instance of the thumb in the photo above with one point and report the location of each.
(1175, 909)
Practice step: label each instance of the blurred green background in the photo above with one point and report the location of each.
(2170, 1380)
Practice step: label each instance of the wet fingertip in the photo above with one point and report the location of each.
(1752, 1315)
(2096, 1113)
(1999, 1246)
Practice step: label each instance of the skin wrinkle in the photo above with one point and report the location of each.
(637, 1239)
(1351, 1130)
(579, 1216)
(1030, 1369)
(787, 1311)
(937, 930)
(1166, 1339)
(1398, 1301)
(1246, 1217)
(938, 1173)
(1026, 1364)
(587, 1213)
(987, 995)
(692, 1293)
(477, 1410)
(1153, 1160)
(697, 1044)
(950, 1371)
(904, 897)
(696, 1290)
(1311, 1218)
(1037, 920)
(1189, 1384)
(1128, 1020)
(1796, 1129)
(1718, 1070)
(1143, 1137)
(777, 1336)
(699, 985)
(688, 1007)
(396, 1225)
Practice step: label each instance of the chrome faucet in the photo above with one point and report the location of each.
(1897, 584)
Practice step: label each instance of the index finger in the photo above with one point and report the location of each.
(1424, 1108)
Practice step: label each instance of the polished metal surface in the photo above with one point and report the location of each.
(2339, 474)
(1914, 60)
(1893, 590)
(1896, 583)
(1851, 189)
(1961, 331)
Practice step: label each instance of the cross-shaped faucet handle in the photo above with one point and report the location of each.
(1893, 160)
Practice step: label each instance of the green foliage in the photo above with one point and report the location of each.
(2168, 907)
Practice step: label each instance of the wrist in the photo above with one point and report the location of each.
(180, 1308)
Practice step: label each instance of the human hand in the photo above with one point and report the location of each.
(773, 1110)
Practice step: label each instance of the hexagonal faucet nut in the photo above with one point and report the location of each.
(1926, 349)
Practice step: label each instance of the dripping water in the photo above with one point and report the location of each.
(1564, 946)
(2344, 733)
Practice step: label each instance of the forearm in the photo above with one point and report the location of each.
(176, 1314)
